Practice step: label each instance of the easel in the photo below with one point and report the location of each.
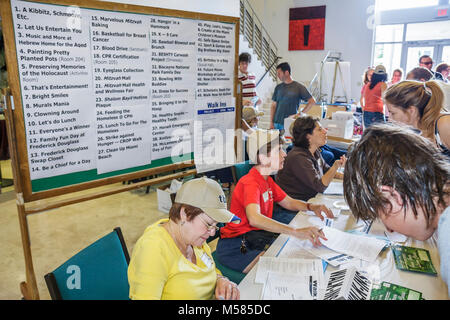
(17, 144)
(316, 84)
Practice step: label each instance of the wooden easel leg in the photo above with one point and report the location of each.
(29, 288)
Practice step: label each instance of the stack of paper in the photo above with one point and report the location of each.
(299, 267)
(279, 286)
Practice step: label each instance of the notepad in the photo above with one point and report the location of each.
(357, 246)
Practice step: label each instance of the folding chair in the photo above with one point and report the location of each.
(98, 272)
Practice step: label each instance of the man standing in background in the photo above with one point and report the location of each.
(287, 97)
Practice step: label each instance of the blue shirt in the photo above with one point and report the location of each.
(444, 246)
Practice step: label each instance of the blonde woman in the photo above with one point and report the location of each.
(421, 105)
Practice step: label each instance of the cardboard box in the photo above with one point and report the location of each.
(166, 195)
(287, 124)
(338, 128)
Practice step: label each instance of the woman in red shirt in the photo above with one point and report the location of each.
(240, 245)
(373, 110)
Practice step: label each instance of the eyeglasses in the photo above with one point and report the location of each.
(208, 226)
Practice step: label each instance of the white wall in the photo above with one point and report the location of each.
(221, 7)
(346, 31)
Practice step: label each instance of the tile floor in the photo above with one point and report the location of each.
(58, 234)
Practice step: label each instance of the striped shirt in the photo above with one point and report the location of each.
(248, 85)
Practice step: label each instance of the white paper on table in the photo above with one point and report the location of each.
(332, 257)
(372, 270)
(336, 212)
(280, 286)
(358, 246)
(335, 188)
(288, 266)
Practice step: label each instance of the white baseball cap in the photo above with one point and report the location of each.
(207, 195)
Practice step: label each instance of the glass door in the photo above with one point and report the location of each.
(414, 53)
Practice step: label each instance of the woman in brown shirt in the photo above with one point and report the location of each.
(305, 173)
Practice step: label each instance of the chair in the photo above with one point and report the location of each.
(231, 274)
(101, 269)
(241, 169)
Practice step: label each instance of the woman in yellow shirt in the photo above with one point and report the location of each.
(171, 260)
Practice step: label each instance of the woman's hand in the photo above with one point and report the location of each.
(319, 208)
(310, 233)
(341, 162)
(226, 289)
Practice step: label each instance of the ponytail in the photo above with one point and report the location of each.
(431, 111)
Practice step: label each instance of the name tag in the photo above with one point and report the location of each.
(207, 260)
(266, 196)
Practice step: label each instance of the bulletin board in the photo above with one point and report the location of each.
(105, 92)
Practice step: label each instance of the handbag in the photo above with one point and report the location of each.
(259, 239)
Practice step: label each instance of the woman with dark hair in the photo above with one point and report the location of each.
(373, 110)
(421, 105)
(171, 260)
(306, 173)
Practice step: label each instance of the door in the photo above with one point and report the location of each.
(414, 53)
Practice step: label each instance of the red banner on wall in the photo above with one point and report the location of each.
(307, 28)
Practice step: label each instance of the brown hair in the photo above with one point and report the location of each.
(366, 75)
(191, 212)
(427, 97)
(301, 127)
(398, 70)
(394, 156)
(441, 67)
(419, 74)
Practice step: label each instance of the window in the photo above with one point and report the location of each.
(389, 55)
(436, 30)
(384, 5)
(389, 33)
(388, 46)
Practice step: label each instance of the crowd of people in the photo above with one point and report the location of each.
(398, 172)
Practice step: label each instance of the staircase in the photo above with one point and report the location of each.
(255, 40)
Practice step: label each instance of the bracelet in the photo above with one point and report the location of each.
(308, 206)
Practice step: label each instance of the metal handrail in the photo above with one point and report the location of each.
(258, 38)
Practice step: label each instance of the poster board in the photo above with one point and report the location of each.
(99, 89)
